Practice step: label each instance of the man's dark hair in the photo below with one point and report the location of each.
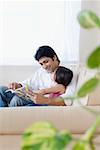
(63, 76)
(45, 51)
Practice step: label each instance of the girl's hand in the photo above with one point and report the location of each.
(42, 91)
(37, 97)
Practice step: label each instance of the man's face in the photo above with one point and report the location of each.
(48, 63)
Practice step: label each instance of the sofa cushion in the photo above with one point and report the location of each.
(72, 86)
(15, 120)
(10, 142)
(10, 74)
(94, 97)
(80, 82)
(84, 75)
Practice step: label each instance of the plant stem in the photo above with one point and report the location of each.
(90, 132)
(96, 113)
(91, 110)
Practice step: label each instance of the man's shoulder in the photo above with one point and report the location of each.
(40, 70)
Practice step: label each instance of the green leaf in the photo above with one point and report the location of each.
(32, 147)
(79, 146)
(43, 136)
(38, 133)
(94, 59)
(88, 87)
(88, 19)
(63, 138)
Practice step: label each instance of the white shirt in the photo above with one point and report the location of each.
(42, 79)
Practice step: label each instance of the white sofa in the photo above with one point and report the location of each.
(13, 121)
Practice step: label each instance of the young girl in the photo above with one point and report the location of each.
(62, 77)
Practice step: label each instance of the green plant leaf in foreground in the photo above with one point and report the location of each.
(88, 19)
(43, 136)
(88, 87)
(93, 60)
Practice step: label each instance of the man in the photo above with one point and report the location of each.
(49, 61)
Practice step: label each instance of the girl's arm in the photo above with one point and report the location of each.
(57, 88)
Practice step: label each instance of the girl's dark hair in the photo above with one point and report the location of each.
(63, 76)
(45, 51)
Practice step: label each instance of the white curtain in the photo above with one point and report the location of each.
(26, 25)
(70, 53)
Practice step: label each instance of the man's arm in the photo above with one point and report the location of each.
(40, 99)
(56, 102)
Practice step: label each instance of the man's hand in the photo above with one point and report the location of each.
(14, 85)
(41, 99)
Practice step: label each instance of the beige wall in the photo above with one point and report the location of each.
(89, 39)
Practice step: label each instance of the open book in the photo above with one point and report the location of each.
(21, 92)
